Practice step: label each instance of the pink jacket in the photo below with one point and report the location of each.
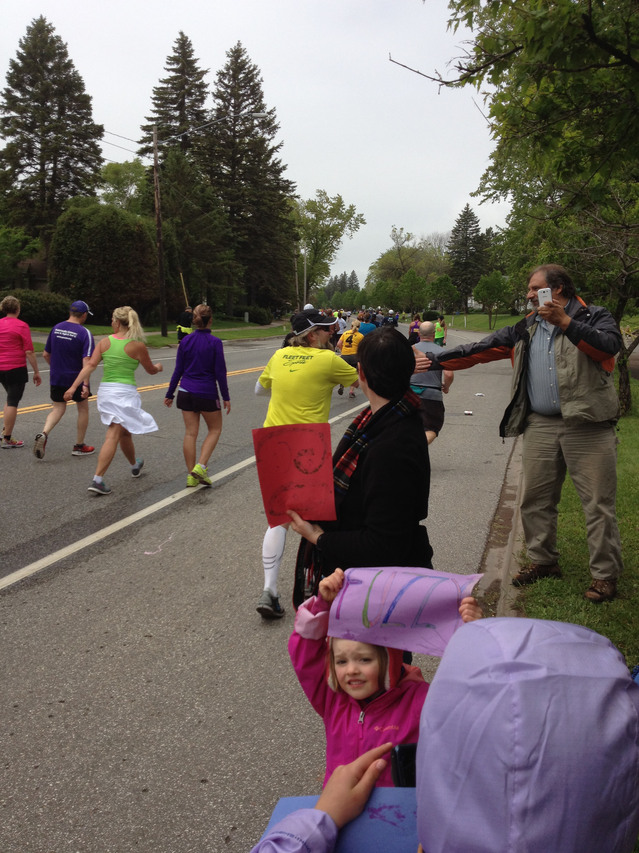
(350, 728)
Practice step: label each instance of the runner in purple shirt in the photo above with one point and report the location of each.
(67, 351)
(200, 369)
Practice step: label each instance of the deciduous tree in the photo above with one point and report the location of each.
(322, 223)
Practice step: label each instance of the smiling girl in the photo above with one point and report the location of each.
(364, 693)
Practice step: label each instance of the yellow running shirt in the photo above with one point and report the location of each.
(301, 381)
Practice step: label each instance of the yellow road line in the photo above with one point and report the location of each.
(44, 407)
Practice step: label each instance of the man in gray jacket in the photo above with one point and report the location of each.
(565, 403)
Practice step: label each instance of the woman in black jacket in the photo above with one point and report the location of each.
(381, 470)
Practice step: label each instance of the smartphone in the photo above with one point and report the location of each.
(544, 295)
(403, 770)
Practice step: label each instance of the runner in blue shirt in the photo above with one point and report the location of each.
(67, 351)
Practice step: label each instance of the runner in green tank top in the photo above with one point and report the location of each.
(119, 403)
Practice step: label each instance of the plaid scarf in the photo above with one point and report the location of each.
(360, 433)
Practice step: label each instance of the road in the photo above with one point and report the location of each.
(145, 705)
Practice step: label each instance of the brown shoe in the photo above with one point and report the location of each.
(533, 573)
(599, 591)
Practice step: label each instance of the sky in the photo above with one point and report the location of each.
(404, 152)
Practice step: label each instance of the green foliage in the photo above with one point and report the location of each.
(201, 236)
(38, 308)
(240, 159)
(467, 251)
(15, 246)
(52, 152)
(105, 256)
(322, 223)
(178, 102)
(426, 256)
(256, 314)
(411, 292)
(123, 185)
(491, 291)
(564, 78)
(443, 293)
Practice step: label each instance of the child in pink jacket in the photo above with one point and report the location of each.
(364, 693)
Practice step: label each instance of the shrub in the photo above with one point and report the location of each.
(38, 308)
(261, 316)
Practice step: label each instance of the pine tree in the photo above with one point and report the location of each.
(241, 160)
(178, 102)
(353, 281)
(52, 153)
(467, 253)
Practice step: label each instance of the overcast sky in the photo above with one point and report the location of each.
(352, 122)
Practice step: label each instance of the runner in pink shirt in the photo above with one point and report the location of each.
(16, 347)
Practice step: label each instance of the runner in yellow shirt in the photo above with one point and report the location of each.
(300, 379)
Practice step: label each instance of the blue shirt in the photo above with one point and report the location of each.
(543, 392)
(68, 344)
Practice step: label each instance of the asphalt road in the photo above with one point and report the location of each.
(145, 705)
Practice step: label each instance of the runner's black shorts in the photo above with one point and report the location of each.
(195, 403)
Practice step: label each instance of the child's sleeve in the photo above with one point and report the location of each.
(307, 648)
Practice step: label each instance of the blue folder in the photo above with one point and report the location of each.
(387, 824)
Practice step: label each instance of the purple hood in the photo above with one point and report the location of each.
(529, 742)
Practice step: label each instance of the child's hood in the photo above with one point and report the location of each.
(529, 740)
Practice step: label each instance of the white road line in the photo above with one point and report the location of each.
(98, 536)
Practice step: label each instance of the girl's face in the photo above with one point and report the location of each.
(356, 668)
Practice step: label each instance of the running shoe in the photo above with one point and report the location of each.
(39, 445)
(269, 606)
(340, 390)
(81, 450)
(202, 475)
(191, 481)
(137, 468)
(99, 488)
(11, 443)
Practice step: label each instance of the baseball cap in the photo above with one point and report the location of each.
(306, 320)
(81, 307)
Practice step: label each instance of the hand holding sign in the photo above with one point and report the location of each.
(404, 608)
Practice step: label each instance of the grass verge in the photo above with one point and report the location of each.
(563, 600)
(225, 330)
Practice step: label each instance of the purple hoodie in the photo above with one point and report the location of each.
(529, 743)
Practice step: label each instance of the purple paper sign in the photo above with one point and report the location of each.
(404, 608)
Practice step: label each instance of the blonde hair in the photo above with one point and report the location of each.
(354, 324)
(130, 322)
(10, 305)
(201, 316)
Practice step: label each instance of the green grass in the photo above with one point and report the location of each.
(563, 600)
(479, 322)
(226, 330)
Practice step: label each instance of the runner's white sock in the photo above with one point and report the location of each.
(272, 550)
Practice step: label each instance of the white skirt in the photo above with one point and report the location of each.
(121, 404)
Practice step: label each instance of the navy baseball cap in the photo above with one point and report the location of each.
(81, 307)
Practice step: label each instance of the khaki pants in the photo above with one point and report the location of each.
(589, 453)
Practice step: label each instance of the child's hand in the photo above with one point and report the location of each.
(329, 587)
(469, 609)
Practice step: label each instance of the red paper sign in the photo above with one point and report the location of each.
(295, 469)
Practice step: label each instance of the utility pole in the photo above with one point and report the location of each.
(158, 235)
